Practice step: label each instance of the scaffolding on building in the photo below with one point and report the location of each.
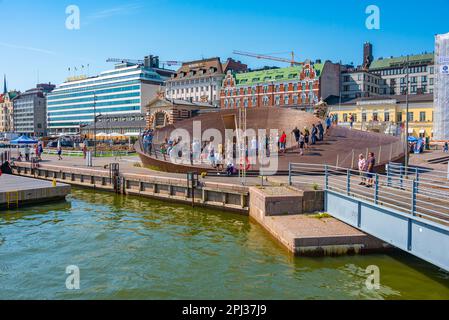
(441, 89)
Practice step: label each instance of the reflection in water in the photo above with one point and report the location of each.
(134, 248)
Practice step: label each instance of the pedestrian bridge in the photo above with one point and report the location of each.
(406, 207)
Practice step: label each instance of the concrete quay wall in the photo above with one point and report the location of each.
(223, 196)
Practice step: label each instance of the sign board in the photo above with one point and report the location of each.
(76, 78)
(444, 69)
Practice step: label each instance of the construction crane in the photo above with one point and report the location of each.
(267, 57)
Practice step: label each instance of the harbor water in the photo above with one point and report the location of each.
(136, 248)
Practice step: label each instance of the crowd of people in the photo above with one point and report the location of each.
(305, 138)
(38, 150)
(222, 157)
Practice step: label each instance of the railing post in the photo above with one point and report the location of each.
(290, 174)
(376, 189)
(326, 177)
(388, 175)
(413, 207)
(417, 180)
(348, 182)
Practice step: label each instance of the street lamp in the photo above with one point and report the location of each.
(95, 124)
(407, 111)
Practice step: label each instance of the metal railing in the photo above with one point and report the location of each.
(412, 194)
(75, 153)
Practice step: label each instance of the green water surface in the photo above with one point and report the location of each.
(136, 248)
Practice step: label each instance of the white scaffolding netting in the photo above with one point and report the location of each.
(441, 89)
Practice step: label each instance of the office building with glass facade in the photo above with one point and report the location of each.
(124, 90)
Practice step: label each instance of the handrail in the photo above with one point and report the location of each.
(416, 195)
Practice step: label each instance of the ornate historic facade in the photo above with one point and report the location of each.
(299, 86)
(162, 112)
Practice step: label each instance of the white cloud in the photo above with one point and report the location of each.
(115, 11)
(14, 46)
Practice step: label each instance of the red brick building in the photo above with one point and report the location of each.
(299, 86)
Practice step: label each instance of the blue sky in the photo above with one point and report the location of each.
(35, 41)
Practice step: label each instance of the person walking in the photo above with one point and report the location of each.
(283, 142)
(297, 134)
(314, 133)
(306, 137)
(446, 147)
(212, 155)
(320, 131)
(59, 153)
(328, 123)
(371, 162)
(301, 144)
(84, 149)
(41, 150)
(27, 153)
(36, 150)
(362, 168)
(351, 120)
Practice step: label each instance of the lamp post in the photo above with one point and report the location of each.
(95, 124)
(407, 111)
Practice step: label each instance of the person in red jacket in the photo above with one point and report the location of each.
(283, 141)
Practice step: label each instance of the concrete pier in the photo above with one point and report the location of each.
(16, 191)
(286, 214)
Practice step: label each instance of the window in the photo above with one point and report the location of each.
(424, 79)
(295, 99)
(410, 116)
(277, 100)
(375, 116)
(399, 117)
(386, 116)
(431, 81)
(422, 116)
(285, 87)
(265, 100)
(286, 98)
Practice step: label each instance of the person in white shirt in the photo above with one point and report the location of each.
(362, 169)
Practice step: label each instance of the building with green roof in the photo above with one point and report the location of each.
(393, 72)
(298, 86)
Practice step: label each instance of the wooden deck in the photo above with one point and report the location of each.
(16, 191)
